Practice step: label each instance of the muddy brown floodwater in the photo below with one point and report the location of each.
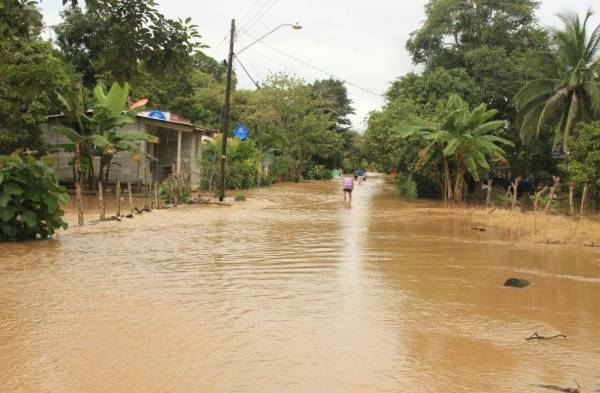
(292, 291)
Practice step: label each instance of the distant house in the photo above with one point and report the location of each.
(178, 149)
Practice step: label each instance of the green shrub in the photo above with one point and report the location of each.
(239, 197)
(501, 200)
(242, 169)
(167, 191)
(317, 172)
(282, 168)
(30, 199)
(407, 186)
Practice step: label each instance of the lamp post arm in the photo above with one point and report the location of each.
(263, 36)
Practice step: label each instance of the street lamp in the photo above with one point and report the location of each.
(225, 123)
(295, 26)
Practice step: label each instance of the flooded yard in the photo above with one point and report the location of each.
(294, 291)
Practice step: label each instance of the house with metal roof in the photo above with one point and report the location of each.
(177, 151)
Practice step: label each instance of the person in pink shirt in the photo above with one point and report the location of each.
(348, 186)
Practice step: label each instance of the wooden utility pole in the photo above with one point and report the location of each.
(225, 119)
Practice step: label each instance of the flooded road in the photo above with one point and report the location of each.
(292, 291)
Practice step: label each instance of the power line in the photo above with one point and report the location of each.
(255, 15)
(220, 44)
(268, 6)
(316, 68)
(249, 11)
(250, 61)
(309, 74)
(246, 71)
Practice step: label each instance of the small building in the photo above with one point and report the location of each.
(178, 149)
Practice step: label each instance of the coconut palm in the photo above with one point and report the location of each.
(462, 140)
(574, 94)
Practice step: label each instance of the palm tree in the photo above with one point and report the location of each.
(461, 140)
(574, 94)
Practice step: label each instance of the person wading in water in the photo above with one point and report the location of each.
(347, 186)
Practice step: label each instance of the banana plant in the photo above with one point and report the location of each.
(96, 132)
(461, 139)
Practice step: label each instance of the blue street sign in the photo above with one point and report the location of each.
(157, 115)
(240, 132)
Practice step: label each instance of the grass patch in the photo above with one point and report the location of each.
(535, 227)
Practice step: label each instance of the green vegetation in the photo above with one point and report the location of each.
(244, 165)
(173, 190)
(460, 142)
(543, 87)
(296, 130)
(301, 122)
(407, 186)
(582, 165)
(30, 199)
(96, 132)
(30, 73)
(122, 39)
(574, 94)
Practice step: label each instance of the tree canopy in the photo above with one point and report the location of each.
(123, 38)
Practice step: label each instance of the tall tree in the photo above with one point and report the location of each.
(122, 38)
(286, 116)
(412, 96)
(455, 26)
(196, 94)
(334, 96)
(19, 18)
(30, 76)
(574, 95)
(496, 42)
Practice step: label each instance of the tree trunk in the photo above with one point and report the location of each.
(537, 197)
(488, 198)
(584, 195)
(572, 118)
(459, 185)
(553, 190)
(572, 198)
(447, 182)
(515, 191)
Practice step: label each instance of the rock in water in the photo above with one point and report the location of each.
(516, 283)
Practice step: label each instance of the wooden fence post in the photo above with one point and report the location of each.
(78, 193)
(101, 202)
(118, 196)
(130, 197)
(156, 205)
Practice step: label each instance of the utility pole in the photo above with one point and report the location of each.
(225, 119)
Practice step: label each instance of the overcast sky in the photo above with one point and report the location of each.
(361, 42)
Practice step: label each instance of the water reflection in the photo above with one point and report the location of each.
(293, 291)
